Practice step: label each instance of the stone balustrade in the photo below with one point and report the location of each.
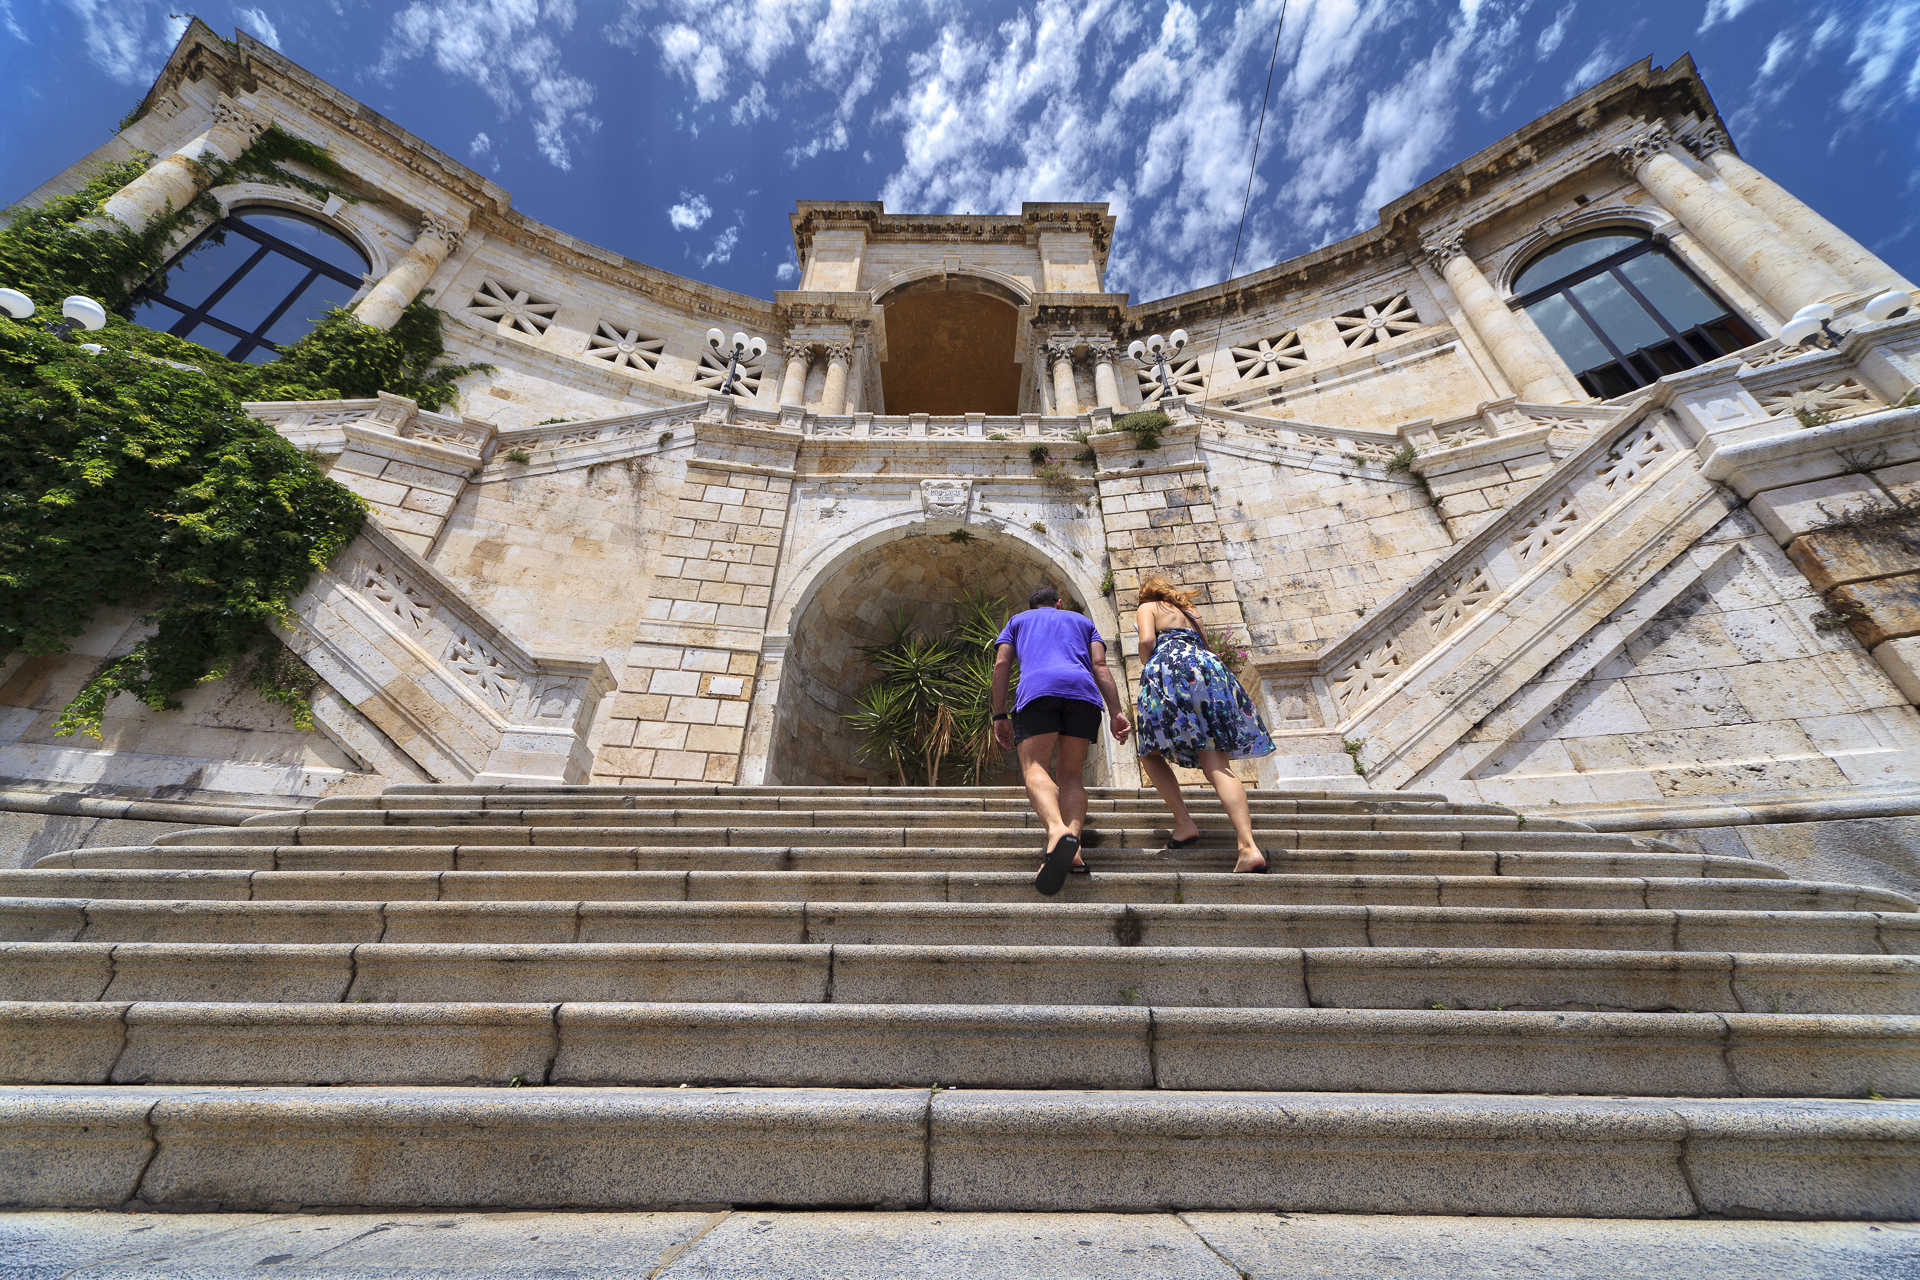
(440, 679)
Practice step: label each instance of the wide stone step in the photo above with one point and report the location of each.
(1198, 887)
(1030, 923)
(848, 973)
(956, 798)
(392, 1148)
(1132, 820)
(812, 797)
(452, 856)
(1003, 1046)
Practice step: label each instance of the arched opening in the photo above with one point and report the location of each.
(924, 574)
(952, 348)
(251, 283)
(1623, 312)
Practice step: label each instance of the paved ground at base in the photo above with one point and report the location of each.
(751, 1245)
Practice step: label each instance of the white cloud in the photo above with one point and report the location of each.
(1602, 62)
(127, 43)
(1719, 11)
(259, 25)
(753, 105)
(723, 246)
(503, 47)
(787, 272)
(1887, 40)
(834, 138)
(6, 20)
(691, 213)
(1551, 38)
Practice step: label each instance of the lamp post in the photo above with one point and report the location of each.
(1157, 351)
(741, 348)
(77, 312)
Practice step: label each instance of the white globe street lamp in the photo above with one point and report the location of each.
(1157, 351)
(78, 312)
(741, 348)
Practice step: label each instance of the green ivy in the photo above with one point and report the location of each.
(128, 481)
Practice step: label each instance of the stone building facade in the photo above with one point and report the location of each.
(1481, 533)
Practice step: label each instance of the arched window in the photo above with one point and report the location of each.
(251, 283)
(1622, 313)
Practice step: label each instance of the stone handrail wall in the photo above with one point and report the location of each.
(446, 683)
(921, 426)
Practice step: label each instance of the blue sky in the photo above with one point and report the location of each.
(681, 133)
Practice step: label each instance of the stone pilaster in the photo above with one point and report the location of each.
(1784, 273)
(436, 239)
(175, 180)
(1533, 368)
(681, 713)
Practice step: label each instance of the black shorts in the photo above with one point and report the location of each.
(1075, 717)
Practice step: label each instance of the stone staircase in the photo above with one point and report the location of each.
(488, 997)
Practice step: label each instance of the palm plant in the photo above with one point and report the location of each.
(928, 708)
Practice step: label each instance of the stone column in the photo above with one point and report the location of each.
(793, 388)
(1859, 264)
(1106, 387)
(1066, 396)
(176, 179)
(1785, 274)
(1535, 370)
(833, 396)
(435, 240)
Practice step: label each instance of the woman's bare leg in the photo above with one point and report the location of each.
(1233, 797)
(1160, 774)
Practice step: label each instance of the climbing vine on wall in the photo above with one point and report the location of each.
(128, 480)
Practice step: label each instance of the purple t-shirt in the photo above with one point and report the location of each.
(1052, 647)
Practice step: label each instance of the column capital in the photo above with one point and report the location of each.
(796, 349)
(230, 117)
(1444, 248)
(1103, 351)
(1060, 349)
(840, 351)
(1642, 147)
(1706, 140)
(445, 230)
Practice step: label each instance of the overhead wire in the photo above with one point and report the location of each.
(1246, 199)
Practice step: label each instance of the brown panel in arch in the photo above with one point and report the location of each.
(950, 353)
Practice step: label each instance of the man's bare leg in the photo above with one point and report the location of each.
(1072, 787)
(1043, 793)
(1160, 774)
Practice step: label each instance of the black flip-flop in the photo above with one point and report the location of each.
(1188, 843)
(1053, 872)
(1266, 865)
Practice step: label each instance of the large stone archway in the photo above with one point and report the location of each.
(952, 347)
(847, 603)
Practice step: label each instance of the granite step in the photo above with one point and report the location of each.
(983, 1046)
(1024, 821)
(1032, 923)
(1132, 887)
(1449, 836)
(1381, 977)
(185, 1147)
(455, 855)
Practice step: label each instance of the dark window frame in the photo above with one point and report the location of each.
(247, 341)
(1697, 344)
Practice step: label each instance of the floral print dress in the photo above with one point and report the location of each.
(1189, 702)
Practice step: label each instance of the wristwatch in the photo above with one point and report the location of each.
(1004, 715)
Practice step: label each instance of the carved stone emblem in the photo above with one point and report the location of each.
(946, 498)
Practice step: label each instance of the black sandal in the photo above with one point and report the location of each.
(1053, 872)
(1188, 843)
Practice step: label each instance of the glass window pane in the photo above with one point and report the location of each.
(151, 313)
(1683, 303)
(1624, 321)
(210, 336)
(1568, 333)
(254, 296)
(316, 240)
(1566, 259)
(314, 302)
(204, 268)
